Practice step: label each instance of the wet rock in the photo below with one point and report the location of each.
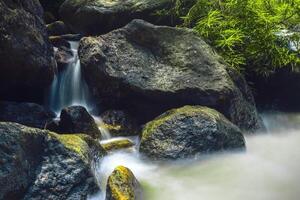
(37, 164)
(101, 16)
(29, 114)
(64, 56)
(117, 144)
(123, 185)
(57, 28)
(189, 131)
(119, 123)
(76, 119)
(147, 69)
(27, 62)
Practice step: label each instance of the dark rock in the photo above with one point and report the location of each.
(52, 6)
(101, 16)
(37, 164)
(59, 41)
(119, 123)
(29, 114)
(57, 28)
(122, 184)
(149, 69)
(49, 18)
(27, 62)
(278, 91)
(187, 132)
(76, 119)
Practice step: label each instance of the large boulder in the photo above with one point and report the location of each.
(149, 69)
(37, 164)
(27, 62)
(189, 131)
(101, 16)
(76, 119)
(29, 114)
(122, 185)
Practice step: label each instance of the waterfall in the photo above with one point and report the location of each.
(69, 87)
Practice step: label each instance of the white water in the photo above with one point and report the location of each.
(69, 87)
(269, 170)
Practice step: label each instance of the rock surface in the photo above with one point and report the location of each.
(76, 119)
(27, 62)
(117, 144)
(123, 185)
(119, 123)
(57, 28)
(52, 6)
(149, 69)
(37, 164)
(29, 114)
(101, 16)
(187, 132)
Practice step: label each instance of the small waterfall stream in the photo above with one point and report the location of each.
(69, 87)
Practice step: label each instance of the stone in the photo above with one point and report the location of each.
(188, 132)
(122, 185)
(147, 70)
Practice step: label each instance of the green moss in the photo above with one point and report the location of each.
(75, 143)
(118, 144)
(186, 110)
(120, 184)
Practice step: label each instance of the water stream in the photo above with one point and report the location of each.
(268, 170)
(69, 87)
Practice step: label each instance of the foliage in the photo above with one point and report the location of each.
(249, 34)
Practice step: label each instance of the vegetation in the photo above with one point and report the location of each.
(251, 35)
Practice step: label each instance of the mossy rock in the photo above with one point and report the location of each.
(28, 155)
(148, 69)
(117, 145)
(122, 185)
(189, 131)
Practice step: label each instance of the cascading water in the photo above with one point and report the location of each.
(69, 87)
(268, 170)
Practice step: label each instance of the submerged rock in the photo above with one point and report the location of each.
(29, 114)
(123, 185)
(37, 164)
(100, 16)
(189, 131)
(149, 69)
(119, 123)
(27, 62)
(76, 119)
(117, 144)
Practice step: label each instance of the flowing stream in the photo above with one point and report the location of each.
(69, 87)
(268, 170)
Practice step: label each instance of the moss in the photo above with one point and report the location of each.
(111, 127)
(118, 144)
(186, 110)
(75, 143)
(120, 184)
